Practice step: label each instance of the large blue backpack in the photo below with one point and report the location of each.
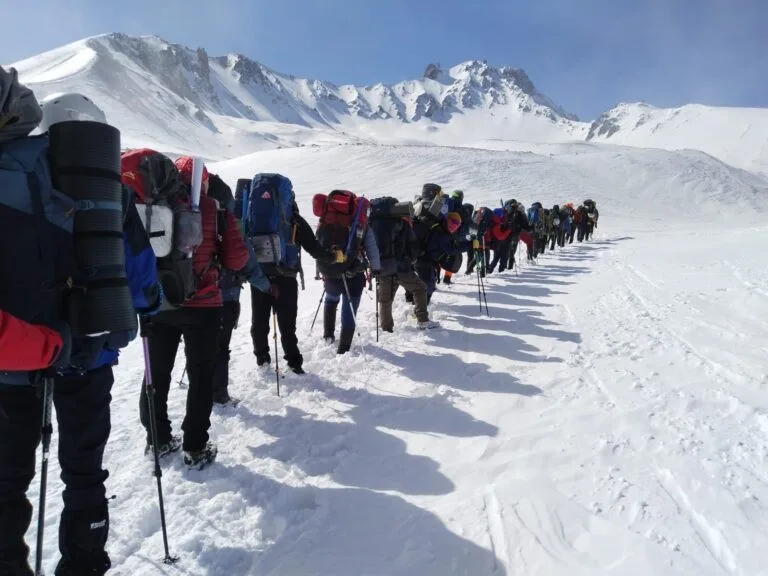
(533, 215)
(269, 221)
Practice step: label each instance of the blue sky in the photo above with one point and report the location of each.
(586, 55)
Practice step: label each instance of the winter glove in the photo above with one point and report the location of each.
(274, 291)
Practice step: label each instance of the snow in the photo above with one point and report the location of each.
(609, 417)
(738, 136)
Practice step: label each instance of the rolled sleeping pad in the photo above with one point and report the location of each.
(403, 210)
(196, 181)
(85, 165)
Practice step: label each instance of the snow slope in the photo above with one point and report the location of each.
(181, 100)
(738, 136)
(610, 417)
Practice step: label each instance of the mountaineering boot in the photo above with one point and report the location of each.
(345, 340)
(427, 325)
(199, 459)
(329, 322)
(82, 538)
(15, 517)
(263, 359)
(164, 448)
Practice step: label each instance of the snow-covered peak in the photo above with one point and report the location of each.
(156, 87)
(738, 136)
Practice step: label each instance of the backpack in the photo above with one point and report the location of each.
(391, 232)
(533, 215)
(431, 203)
(270, 223)
(343, 222)
(174, 227)
(481, 221)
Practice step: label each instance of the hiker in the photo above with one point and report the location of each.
(452, 263)
(231, 285)
(343, 229)
(277, 232)
(518, 218)
(398, 249)
(190, 276)
(592, 216)
(38, 344)
(436, 240)
(482, 219)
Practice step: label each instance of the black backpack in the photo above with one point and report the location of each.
(391, 232)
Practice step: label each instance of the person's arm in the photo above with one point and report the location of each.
(26, 347)
(234, 253)
(306, 239)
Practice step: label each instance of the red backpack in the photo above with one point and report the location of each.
(343, 223)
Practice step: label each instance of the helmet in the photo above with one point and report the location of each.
(65, 107)
(452, 222)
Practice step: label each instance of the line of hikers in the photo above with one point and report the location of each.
(109, 244)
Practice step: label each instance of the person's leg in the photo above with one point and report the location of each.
(286, 308)
(261, 308)
(230, 315)
(20, 433)
(83, 413)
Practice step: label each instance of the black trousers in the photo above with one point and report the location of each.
(200, 328)
(83, 416)
(230, 315)
(286, 308)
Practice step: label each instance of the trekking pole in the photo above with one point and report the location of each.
(277, 356)
(482, 283)
(150, 390)
(47, 430)
(317, 311)
(181, 379)
(479, 296)
(377, 309)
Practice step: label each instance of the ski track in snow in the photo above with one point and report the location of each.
(609, 417)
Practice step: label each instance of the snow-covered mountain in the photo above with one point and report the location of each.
(167, 94)
(738, 136)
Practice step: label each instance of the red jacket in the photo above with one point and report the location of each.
(26, 347)
(495, 233)
(232, 254)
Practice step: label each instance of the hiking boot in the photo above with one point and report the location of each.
(263, 359)
(199, 459)
(345, 341)
(297, 369)
(427, 325)
(329, 322)
(164, 448)
(82, 539)
(225, 399)
(447, 280)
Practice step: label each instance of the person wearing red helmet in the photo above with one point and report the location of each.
(198, 320)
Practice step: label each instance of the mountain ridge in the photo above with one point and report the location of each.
(183, 100)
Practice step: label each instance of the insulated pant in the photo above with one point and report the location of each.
(286, 308)
(230, 315)
(426, 271)
(201, 328)
(335, 292)
(500, 255)
(82, 405)
(514, 241)
(388, 286)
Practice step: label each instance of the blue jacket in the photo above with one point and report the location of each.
(436, 242)
(141, 271)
